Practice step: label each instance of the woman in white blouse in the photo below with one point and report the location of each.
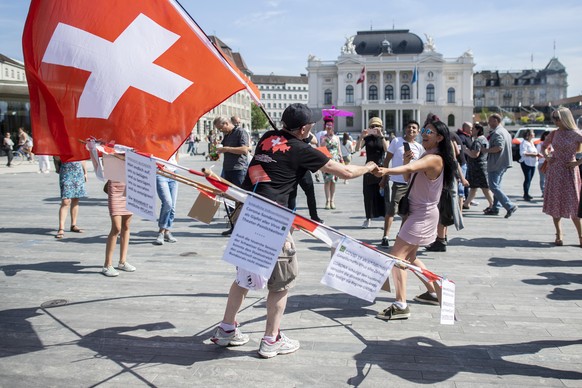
(528, 161)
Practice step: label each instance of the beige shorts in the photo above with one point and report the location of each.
(286, 270)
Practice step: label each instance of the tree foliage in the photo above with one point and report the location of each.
(258, 119)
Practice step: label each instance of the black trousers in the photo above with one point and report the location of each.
(306, 184)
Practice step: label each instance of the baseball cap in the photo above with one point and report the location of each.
(296, 115)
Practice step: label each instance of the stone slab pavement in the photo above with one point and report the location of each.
(518, 301)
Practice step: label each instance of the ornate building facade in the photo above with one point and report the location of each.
(521, 91)
(239, 104)
(278, 91)
(394, 75)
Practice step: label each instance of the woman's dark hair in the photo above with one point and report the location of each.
(445, 150)
(346, 138)
(480, 130)
(543, 137)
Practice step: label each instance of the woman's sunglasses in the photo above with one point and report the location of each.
(426, 131)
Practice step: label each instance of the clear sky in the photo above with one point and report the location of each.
(276, 36)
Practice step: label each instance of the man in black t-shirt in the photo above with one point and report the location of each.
(281, 159)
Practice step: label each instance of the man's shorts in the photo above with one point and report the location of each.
(398, 191)
(286, 270)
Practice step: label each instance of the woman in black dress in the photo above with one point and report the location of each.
(372, 138)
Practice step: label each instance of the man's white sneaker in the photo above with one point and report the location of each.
(229, 338)
(160, 239)
(367, 223)
(283, 345)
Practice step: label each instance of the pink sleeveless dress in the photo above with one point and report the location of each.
(420, 227)
(116, 199)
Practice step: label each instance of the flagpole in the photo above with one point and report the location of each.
(237, 194)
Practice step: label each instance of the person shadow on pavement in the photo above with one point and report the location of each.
(426, 361)
(51, 266)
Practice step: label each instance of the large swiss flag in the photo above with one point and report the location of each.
(134, 72)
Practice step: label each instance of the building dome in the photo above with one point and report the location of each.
(387, 42)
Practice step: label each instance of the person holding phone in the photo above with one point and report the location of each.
(398, 148)
(372, 138)
(431, 172)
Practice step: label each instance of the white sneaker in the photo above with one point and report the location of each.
(474, 203)
(169, 238)
(229, 338)
(160, 239)
(125, 267)
(284, 345)
(109, 271)
(367, 223)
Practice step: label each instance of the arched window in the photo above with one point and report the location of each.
(389, 92)
(405, 92)
(350, 94)
(430, 93)
(451, 95)
(373, 92)
(327, 97)
(451, 121)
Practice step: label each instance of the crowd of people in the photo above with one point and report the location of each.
(434, 171)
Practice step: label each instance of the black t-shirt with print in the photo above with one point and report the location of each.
(280, 161)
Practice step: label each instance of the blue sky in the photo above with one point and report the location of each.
(277, 36)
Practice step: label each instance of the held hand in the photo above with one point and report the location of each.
(220, 150)
(380, 172)
(365, 132)
(371, 166)
(465, 182)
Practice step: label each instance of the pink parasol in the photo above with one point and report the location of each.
(333, 112)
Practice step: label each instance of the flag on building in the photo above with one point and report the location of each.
(414, 75)
(133, 72)
(362, 76)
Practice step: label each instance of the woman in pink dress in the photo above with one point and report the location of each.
(562, 189)
(120, 221)
(433, 170)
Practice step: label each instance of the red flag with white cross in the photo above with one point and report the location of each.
(134, 72)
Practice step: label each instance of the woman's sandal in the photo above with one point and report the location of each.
(558, 242)
(75, 228)
(60, 234)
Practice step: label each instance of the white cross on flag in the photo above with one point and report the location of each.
(134, 72)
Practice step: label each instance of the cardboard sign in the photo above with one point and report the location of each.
(204, 208)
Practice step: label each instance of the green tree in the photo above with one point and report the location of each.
(258, 118)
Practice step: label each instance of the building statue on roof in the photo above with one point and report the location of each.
(349, 47)
(312, 57)
(429, 46)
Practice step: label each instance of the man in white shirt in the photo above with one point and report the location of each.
(395, 154)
